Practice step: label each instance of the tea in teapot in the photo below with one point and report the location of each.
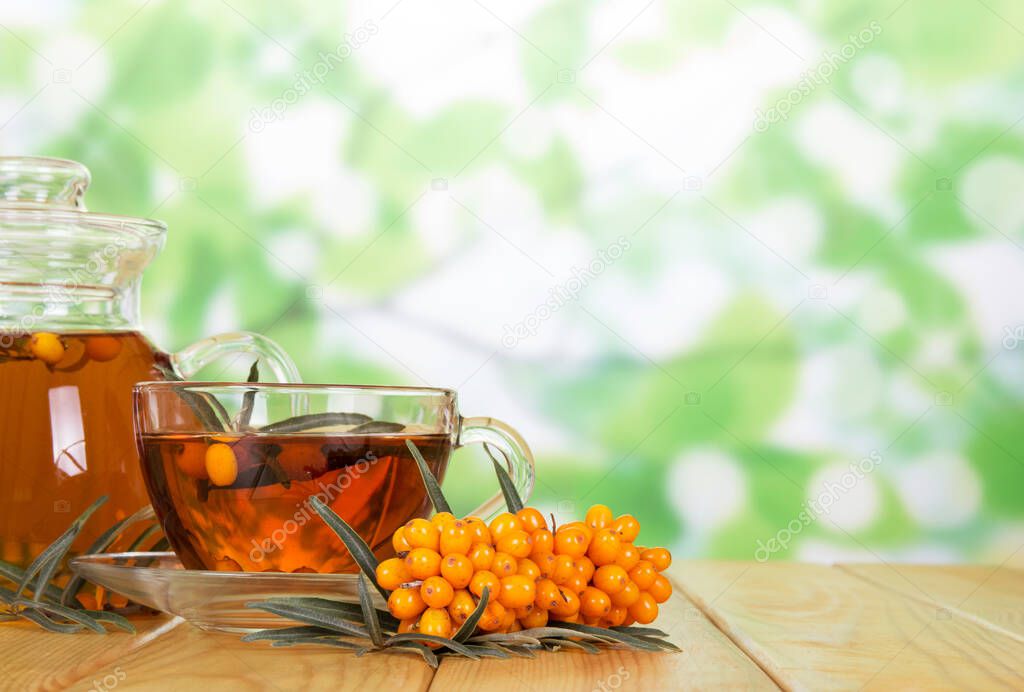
(70, 351)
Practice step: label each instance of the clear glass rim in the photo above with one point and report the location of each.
(12, 214)
(108, 560)
(299, 387)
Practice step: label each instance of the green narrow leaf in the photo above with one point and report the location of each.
(15, 574)
(487, 651)
(556, 643)
(312, 616)
(48, 624)
(319, 641)
(48, 560)
(114, 619)
(378, 426)
(662, 644)
(105, 540)
(369, 613)
(468, 627)
(204, 411)
(315, 420)
(641, 631)
(249, 398)
(437, 498)
(508, 489)
(420, 637)
(611, 635)
(55, 609)
(285, 633)
(357, 547)
(423, 650)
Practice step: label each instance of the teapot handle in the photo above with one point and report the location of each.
(188, 361)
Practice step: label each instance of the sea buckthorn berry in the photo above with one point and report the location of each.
(564, 569)
(604, 548)
(531, 519)
(580, 525)
(628, 556)
(461, 607)
(525, 610)
(504, 565)
(545, 563)
(481, 555)
(437, 622)
(568, 604)
(643, 573)
(537, 618)
(627, 527)
(455, 538)
(406, 603)
(508, 620)
(528, 568)
(485, 578)
(598, 517)
(611, 579)
(645, 610)
(615, 617)
(420, 533)
(517, 591)
(627, 596)
(392, 573)
(436, 592)
(492, 617)
(410, 625)
(548, 595)
(584, 567)
(575, 617)
(457, 569)
(398, 541)
(441, 519)
(594, 603)
(592, 622)
(478, 529)
(47, 347)
(576, 583)
(221, 465)
(660, 589)
(543, 542)
(502, 524)
(102, 348)
(422, 563)
(630, 620)
(571, 541)
(515, 543)
(659, 557)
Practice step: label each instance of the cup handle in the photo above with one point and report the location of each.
(191, 359)
(518, 457)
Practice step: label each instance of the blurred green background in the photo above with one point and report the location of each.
(704, 255)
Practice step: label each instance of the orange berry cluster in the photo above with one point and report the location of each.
(586, 571)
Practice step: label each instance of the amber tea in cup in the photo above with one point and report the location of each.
(231, 468)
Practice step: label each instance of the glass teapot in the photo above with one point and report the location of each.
(71, 349)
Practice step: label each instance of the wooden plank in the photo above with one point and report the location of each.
(991, 595)
(34, 659)
(708, 661)
(191, 659)
(817, 627)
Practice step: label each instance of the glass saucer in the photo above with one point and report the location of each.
(210, 600)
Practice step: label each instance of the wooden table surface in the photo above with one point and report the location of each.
(741, 626)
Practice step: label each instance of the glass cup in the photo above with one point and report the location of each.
(231, 467)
